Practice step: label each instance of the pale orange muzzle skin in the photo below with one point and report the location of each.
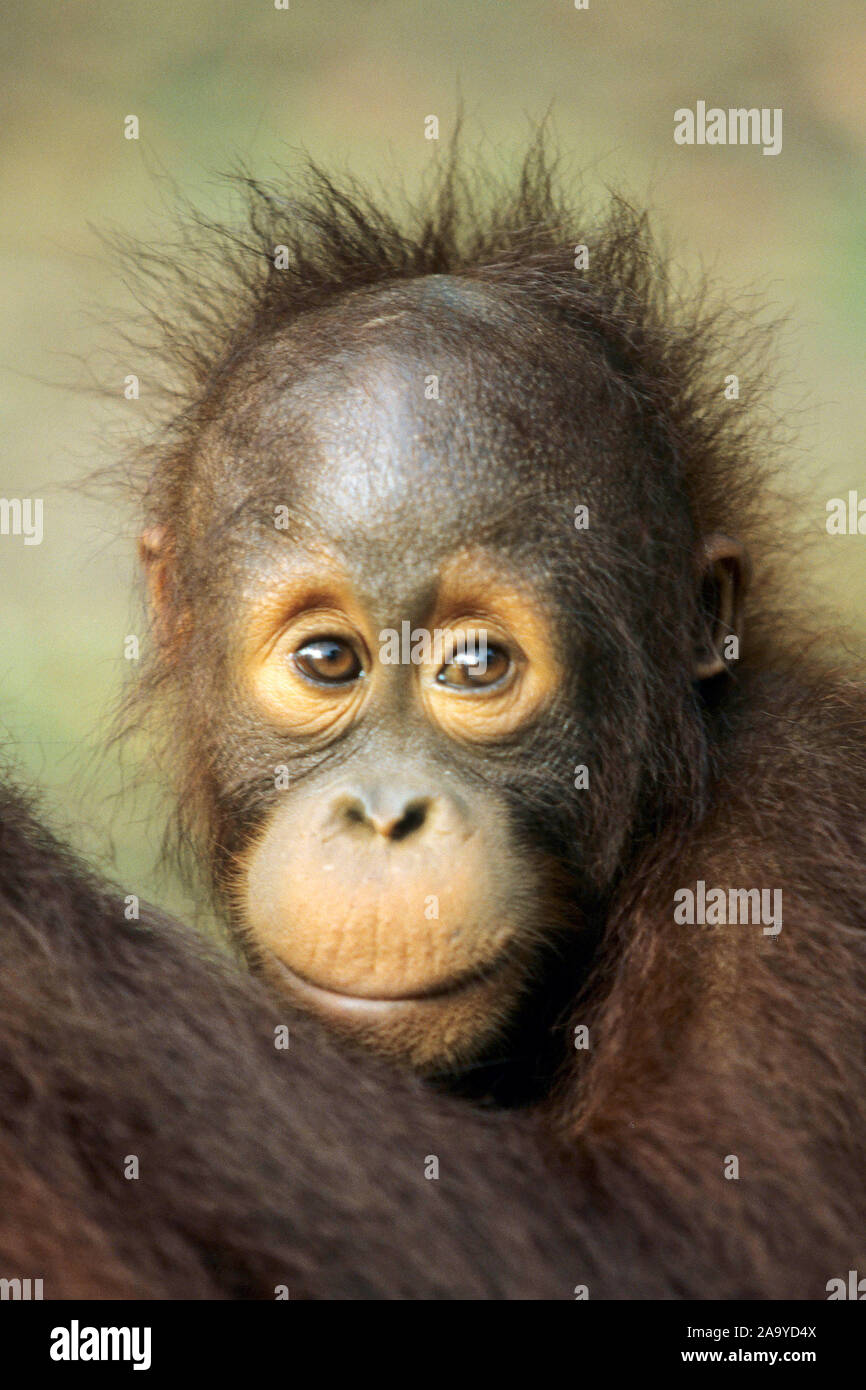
(417, 946)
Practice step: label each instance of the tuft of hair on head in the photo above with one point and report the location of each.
(215, 295)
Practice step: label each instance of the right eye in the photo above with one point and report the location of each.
(328, 661)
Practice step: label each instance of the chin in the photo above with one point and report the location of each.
(446, 1027)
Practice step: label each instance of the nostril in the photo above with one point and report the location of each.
(411, 820)
(394, 818)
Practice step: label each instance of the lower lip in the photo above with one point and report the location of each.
(361, 1005)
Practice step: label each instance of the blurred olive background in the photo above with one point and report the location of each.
(212, 81)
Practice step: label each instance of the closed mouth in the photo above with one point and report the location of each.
(361, 1003)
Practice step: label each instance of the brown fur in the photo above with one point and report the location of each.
(305, 1167)
(258, 1167)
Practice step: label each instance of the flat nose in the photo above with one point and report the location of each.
(390, 812)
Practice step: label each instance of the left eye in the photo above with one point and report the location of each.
(476, 668)
(328, 661)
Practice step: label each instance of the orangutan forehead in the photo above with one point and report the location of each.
(395, 418)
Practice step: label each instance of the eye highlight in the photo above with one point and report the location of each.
(476, 667)
(328, 661)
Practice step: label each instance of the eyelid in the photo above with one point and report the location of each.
(493, 628)
(319, 625)
(309, 639)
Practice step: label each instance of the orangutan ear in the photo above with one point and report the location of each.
(724, 578)
(156, 551)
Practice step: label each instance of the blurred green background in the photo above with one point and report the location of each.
(351, 81)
